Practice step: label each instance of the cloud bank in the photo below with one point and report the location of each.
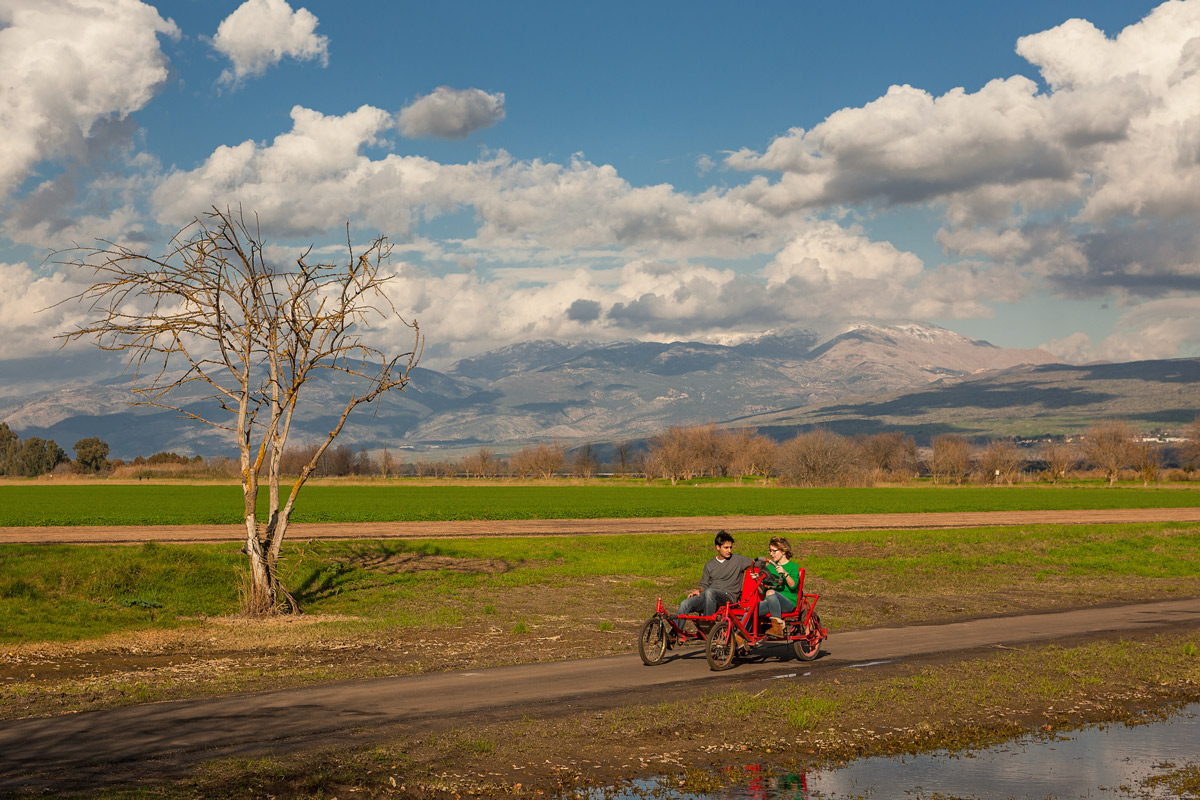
(1085, 184)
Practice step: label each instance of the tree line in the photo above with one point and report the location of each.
(813, 458)
(36, 456)
(825, 458)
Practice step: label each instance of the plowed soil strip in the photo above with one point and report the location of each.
(596, 527)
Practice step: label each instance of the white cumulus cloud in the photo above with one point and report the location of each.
(68, 66)
(261, 33)
(449, 113)
(33, 310)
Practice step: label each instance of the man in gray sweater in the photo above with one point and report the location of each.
(721, 581)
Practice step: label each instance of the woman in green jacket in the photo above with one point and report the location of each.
(782, 600)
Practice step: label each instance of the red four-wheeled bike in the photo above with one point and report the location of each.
(735, 629)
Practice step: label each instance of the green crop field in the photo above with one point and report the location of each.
(96, 504)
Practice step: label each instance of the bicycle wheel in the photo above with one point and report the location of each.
(722, 646)
(806, 649)
(652, 642)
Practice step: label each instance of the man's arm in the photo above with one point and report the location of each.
(705, 579)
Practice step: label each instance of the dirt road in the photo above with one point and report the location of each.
(596, 527)
(171, 738)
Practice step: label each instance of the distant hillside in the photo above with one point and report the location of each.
(570, 392)
(1050, 399)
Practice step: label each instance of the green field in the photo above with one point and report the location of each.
(95, 504)
(64, 592)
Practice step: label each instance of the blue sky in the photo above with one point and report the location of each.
(1027, 173)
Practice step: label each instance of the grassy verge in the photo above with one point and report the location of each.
(91, 627)
(60, 593)
(211, 504)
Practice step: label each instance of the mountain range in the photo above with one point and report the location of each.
(871, 377)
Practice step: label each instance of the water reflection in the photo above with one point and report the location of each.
(1108, 761)
(754, 784)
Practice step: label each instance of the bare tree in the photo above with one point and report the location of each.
(1146, 458)
(625, 457)
(951, 459)
(671, 456)
(820, 458)
(1059, 458)
(551, 458)
(483, 463)
(1109, 446)
(212, 313)
(1000, 461)
(389, 464)
(891, 455)
(362, 463)
(585, 462)
(751, 454)
(541, 459)
(1189, 450)
(490, 464)
(709, 450)
(443, 468)
(522, 462)
(623, 453)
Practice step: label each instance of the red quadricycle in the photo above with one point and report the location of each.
(735, 630)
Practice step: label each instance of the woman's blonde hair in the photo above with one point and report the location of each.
(783, 544)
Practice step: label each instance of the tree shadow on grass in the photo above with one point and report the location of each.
(345, 572)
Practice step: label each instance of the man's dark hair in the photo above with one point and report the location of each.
(722, 537)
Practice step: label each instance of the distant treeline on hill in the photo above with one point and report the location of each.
(815, 458)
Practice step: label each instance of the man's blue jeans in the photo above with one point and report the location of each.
(706, 603)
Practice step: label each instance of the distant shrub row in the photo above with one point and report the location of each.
(682, 453)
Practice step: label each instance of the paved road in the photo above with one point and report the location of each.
(597, 527)
(62, 751)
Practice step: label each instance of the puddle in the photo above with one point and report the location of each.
(1110, 761)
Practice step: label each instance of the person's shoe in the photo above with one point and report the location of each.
(776, 627)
